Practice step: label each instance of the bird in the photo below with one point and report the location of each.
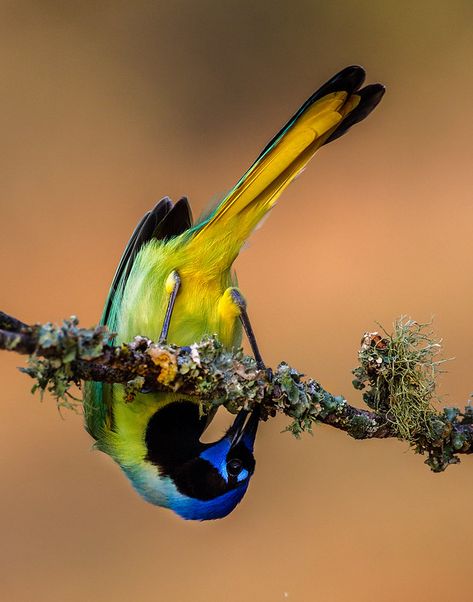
(175, 283)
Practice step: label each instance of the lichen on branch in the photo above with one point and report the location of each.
(396, 373)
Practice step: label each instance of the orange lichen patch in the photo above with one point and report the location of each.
(166, 361)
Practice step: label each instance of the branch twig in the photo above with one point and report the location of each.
(396, 372)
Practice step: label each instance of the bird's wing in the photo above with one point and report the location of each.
(162, 222)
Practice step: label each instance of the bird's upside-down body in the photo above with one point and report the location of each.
(175, 281)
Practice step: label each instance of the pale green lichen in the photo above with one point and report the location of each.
(67, 342)
(398, 375)
(227, 378)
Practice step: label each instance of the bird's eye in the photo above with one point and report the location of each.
(234, 467)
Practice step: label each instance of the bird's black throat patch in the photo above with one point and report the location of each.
(172, 440)
(172, 435)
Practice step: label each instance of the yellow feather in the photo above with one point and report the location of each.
(260, 187)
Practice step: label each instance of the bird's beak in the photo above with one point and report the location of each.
(244, 428)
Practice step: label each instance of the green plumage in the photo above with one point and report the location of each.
(166, 242)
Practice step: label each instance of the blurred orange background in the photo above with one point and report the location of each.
(106, 107)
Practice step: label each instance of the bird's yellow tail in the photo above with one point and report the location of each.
(326, 115)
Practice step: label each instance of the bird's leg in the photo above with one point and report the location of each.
(240, 302)
(173, 282)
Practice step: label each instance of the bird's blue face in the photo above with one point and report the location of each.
(204, 481)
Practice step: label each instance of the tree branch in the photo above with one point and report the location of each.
(10, 323)
(396, 372)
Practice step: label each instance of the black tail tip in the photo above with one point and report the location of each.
(370, 97)
(348, 80)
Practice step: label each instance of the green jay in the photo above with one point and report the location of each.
(175, 283)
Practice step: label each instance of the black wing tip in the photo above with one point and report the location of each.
(175, 222)
(184, 201)
(164, 205)
(186, 210)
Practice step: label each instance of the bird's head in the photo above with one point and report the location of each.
(199, 481)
